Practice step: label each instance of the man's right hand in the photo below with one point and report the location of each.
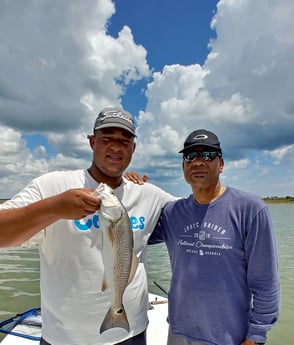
(76, 203)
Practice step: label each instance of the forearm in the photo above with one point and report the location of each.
(19, 224)
(262, 277)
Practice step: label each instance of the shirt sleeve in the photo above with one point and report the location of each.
(262, 276)
(27, 196)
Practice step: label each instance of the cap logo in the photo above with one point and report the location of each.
(115, 114)
(200, 136)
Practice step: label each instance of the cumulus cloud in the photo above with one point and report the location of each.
(59, 65)
(255, 60)
(284, 154)
(243, 92)
(58, 54)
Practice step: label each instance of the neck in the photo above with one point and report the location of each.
(208, 195)
(100, 177)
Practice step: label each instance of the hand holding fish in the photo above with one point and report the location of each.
(20, 224)
(77, 203)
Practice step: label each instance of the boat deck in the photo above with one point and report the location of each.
(156, 332)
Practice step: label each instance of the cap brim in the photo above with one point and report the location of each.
(118, 125)
(200, 144)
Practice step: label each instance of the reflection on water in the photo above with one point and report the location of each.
(19, 280)
(283, 220)
(159, 269)
(19, 275)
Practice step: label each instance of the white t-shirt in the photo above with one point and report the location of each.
(73, 305)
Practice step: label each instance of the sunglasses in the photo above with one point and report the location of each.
(207, 156)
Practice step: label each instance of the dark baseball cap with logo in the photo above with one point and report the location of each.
(201, 137)
(115, 117)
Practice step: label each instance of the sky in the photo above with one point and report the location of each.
(226, 66)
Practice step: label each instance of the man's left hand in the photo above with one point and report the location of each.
(248, 342)
(135, 178)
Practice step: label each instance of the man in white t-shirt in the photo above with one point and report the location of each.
(58, 211)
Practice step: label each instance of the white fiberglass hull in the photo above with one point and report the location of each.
(156, 332)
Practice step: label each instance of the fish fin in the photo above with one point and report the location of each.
(133, 267)
(115, 318)
(97, 239)
(94, 241)
(104, 285)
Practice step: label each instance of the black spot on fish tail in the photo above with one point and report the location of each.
(119, 311)
(115, 318)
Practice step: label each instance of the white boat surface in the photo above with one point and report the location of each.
(156, 332)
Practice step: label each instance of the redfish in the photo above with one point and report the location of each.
(119, 259)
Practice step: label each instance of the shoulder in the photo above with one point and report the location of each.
(245, 200)
(46, 185)
(58, 181)
(242, 195)
(148, 196)
(178, 204)
(60, 174)
(148, 190)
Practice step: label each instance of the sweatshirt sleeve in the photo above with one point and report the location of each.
(262, 276)
(157, 235)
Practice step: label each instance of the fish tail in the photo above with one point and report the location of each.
(115, 318)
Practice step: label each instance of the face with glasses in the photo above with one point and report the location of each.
(207, 156)
(202, 166)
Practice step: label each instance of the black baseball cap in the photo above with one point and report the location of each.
(201, 137)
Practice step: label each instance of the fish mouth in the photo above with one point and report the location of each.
(101, 191)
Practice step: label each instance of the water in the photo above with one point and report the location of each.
(19, 275)
(283, 219)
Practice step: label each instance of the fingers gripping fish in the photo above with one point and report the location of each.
(120, 261)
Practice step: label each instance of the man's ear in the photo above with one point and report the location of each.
(222, 163)
(91, 140)
(134, 147)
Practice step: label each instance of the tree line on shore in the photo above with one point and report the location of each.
(269, 199)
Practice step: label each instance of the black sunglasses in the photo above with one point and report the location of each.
(207, 156)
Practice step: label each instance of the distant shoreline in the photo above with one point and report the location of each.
(280, 200)
(268, 199)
